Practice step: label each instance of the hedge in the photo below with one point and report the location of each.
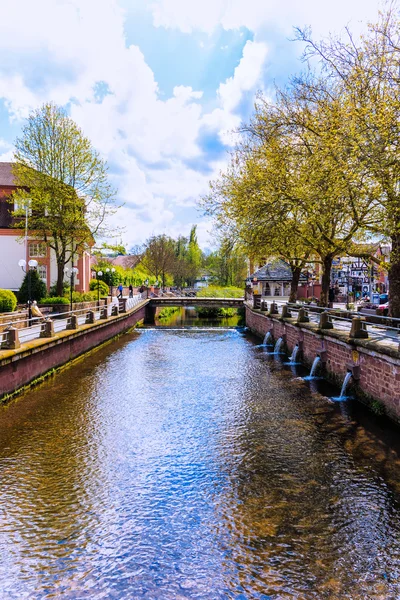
(8, 301)
(54, 300)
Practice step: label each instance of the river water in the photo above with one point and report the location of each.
(178, 464)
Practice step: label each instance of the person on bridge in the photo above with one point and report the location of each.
(120, 290)
(130, 291)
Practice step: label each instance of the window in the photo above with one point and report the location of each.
(37, 249)
(42, 271)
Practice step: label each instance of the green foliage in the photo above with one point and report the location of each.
(84, 296)
(214, 291)
(53, 289)
(159, 256)
(64, 181)
(38, 287)
(8, 301)
(227, 265)
(54, 300)
(98, 284)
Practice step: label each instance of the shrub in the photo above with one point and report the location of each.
(38, 288)
(214, 291)
(8, 301)
(54, 300)
(84, 296)
(53, 289)
(95, 284)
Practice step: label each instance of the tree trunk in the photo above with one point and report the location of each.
(394, 278)
(60, 278)
(295, 283)
(326, 279)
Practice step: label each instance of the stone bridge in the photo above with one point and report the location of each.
(164, 301)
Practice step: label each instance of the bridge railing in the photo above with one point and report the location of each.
(12, 337)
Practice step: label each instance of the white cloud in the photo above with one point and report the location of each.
(246, 75)
(256, 14)
(60, 50)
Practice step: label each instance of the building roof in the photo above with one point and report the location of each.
(6, 176)
(275, 270)
(128, 261)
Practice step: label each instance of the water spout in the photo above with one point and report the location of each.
(294, 354)
(278, 345)
(268, 339)
(315, 364)
(349, 375)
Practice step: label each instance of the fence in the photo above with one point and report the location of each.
(42, 327)
(351, 323)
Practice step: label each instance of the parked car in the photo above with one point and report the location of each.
(383, 299)
(383, 309)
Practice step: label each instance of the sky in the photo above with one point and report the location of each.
(158, 86)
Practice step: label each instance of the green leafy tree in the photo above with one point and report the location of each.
(366, 71)
(181, 267)
(63, 183)
(194, 256)
(37, 285)
(159, 256)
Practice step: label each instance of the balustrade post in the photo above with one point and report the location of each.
(324, 322)
(357, 329)
(274, 309)
(90, 317)
(73, 322)
(104, 312)
(48, 329)
(12, 338)
(302, 316)
(114, 310)
(286, 314)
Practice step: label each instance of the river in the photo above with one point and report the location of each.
(177, 463)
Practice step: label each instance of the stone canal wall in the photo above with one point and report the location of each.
(376, 370)
(22, 366)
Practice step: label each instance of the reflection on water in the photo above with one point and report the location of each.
(183, 464)
(187, 317)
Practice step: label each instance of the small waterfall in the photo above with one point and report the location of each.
(349, 375)
(314, 366)
(294, 354)
(278, 345)
(268, 339)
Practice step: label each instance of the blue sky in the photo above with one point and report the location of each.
(158, 86)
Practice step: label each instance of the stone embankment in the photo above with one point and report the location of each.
(375, 365)
(21, 366)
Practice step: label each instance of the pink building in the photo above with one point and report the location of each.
(15, 245)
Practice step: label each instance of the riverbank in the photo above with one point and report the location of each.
(375, 368)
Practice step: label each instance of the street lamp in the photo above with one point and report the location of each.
(32, 264)
(74, 271)
(111, 279)
(98, 274)
(348, 285)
